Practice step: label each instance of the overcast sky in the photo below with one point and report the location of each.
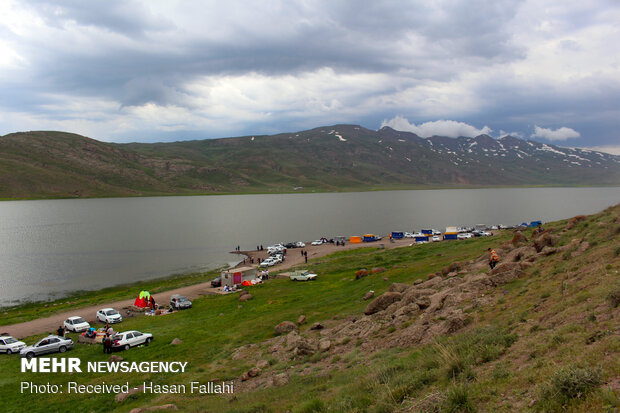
(172, 70)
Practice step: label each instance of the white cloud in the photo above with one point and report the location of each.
(503, 133)
(560, 134)
(449, 128)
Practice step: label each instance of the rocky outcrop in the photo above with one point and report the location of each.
(506, 272)
(369, 295)
(399, 287)
(382, 302)
(120, 397)
(246, 297)
(317, 326)
(546, 240)
(518, 238)
(301, 320)
(285, 327)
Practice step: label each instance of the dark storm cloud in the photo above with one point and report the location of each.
(247, 67)
(347, 36)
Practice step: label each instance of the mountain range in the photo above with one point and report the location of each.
(45, 164)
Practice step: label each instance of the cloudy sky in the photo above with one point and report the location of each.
(150, 70)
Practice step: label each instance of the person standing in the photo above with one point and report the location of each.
(493, 258)
(106, 344)
(60, 331)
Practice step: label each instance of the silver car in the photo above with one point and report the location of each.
(49, 344)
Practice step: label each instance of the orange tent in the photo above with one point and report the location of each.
(246, 283)
(355, 240)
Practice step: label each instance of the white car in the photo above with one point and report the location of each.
(76, 324)
(408, 235)
(303, 276)
(485, 234)
(128, 339)
(269, 262)
(466, 235)
(109, 315)
(317, 242)
(300, 244)
(10, 345)
(436, 238)
(436, 232)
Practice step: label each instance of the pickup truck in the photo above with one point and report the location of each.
(302, 276)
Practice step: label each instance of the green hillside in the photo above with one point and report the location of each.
(538, 333)
(335, 158)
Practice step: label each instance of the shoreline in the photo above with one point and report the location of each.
(50, 323)
(312, 191)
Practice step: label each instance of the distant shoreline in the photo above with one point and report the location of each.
(345, 190)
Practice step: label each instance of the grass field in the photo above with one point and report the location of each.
(548, 342)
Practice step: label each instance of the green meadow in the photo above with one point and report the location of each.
(510, 357)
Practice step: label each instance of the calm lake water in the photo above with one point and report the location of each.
(50, 247)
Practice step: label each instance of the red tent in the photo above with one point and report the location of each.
(246, 283)
(143, 299)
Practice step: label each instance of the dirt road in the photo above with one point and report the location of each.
(50, 324)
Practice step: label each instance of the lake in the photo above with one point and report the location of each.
(51, 247)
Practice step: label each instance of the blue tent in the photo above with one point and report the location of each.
(427, 231)
(397, 235)
(535, 223)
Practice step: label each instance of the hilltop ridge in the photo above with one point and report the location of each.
(332, 158)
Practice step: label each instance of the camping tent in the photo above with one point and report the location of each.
(246, 283)
(355, 240)
(397, 235)
(143, 299)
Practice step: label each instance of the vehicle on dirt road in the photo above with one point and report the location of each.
(49, 344)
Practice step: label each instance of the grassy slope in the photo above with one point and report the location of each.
(30, 311)
(537, 325)
(56, 164)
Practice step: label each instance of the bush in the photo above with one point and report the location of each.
(310, 406)
(613, 298)
(568, 384)
(458, 400)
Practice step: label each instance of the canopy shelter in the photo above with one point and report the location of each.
(143, 299)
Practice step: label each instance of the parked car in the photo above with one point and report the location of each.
(76, 324)
(303, 276)
(10, 345)
(408, 235)
(465, 235)
(216, 282)
(179, 302)
(317, 242)
(49, 344)
(485, 234)
(290, 245)
(300, 244)
(269, 262)
(128, 339)
(436, 232)
(436, 238)
(109, 315)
